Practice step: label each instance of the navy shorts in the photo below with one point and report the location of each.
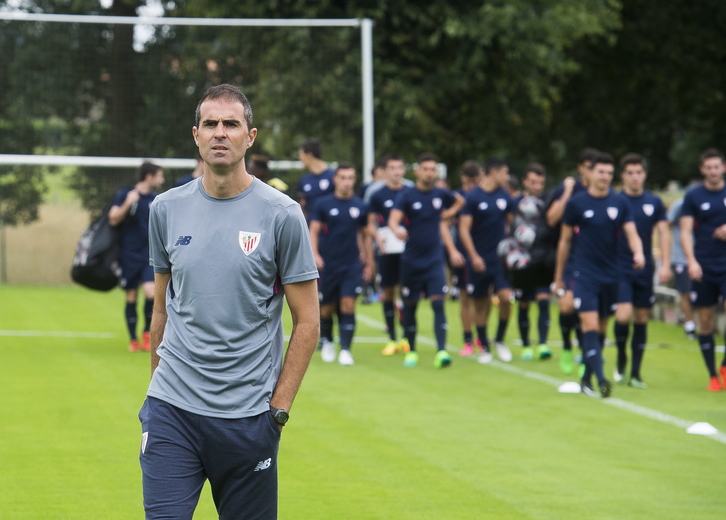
(135, 273)
(389, 269)
(341, 282)
(180, 450)
(681, 278)
(591, 295)
(637, 290)
(706, 293)
(431, 281)
(479, 284)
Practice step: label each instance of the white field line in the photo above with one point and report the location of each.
(55, 334)
(636, 409)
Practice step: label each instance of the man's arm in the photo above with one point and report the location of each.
(118, 214)
(302, 299)
(563, 253)
(635, 244)
(314, 240)
(557, 208)
(664, 242)
(694, 268)
(158, 316)
(394, 222)
(477, 262)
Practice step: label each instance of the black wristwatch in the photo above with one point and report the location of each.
(280, 415)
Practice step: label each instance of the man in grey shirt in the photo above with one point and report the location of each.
(225, 249)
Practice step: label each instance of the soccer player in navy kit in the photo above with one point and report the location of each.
(227, 251)
(635, 291)
(482, 224)
(130, 212)
(568, 318)
(389, 261)
(599, 215)
(424, 208)
(318, 180)
(533, 183)
(704, 214)
(342, 218)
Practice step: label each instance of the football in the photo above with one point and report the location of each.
(530, 208)
(518, 259)
(506, 246)
(525, 234)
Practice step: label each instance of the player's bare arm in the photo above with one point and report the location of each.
(477, 262)
(694, 268)
(372, 227)
(563, 253)
(635, 244)
(365, 238)
(557, 208)
(394, 222)
(452, 211)
(457, 259)
(664, 241)
(118, 214)
(720, 233)
(158, 316)
(302, 299)
(315, 228)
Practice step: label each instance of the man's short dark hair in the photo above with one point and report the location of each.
(147, 168)
(602, 158)
(391, 157)
(229, 93)
(536, 168)
(632, 158)
(313, 147)
(344, 166)
(587, 155)
(494, 163)
(710, 154)
(470, 169)
(426, 156)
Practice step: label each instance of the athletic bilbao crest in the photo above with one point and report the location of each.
(502, 204)
(437, 203)
(248, 242)
(324, 183)
(354, 212)
(612, 213)
(648, 209)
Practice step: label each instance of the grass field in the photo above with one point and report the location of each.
(372, 441)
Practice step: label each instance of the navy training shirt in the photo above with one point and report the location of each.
(489, 217)
(340, 220)
(382, 202)
(134, 230)
(647, 210)
(598, 223)
(313, 186)
(422, 217)
(708, 209)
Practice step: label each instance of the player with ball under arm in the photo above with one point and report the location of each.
(598, 216)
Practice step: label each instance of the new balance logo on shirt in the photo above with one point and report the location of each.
(263, 464)
(183, 240)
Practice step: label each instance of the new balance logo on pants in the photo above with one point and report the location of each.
(263, 464)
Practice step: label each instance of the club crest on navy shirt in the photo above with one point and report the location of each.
(324, 183)
(502, 204)
(648, 209)
(436, 203)
(612, 213)
(354, 212)
(249, 241)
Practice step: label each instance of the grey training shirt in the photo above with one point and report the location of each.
(223, 343)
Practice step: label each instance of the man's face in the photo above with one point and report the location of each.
(501, 176)
(634, 177)
(344, 182)
(712, 170)
(584, 169)
(601, 175)
(533, 183)
(395, 170)
(427, 173)
(222, 136)
(157, 180)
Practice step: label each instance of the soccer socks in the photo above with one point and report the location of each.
(409, 324)
(326, 329)
(148, 310)
(622, 331)
(468, 336)
(389, 313)
(591, 349)
(501, 330)
(523, 322)
(708, 352)
(543, 320)
(566, 328)
(640, 333)
(131, 318)
(439, 323)
(347, 329)
(481, 332)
